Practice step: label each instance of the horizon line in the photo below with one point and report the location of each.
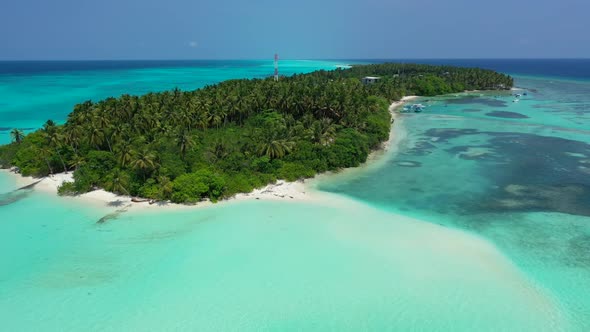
(299, 59)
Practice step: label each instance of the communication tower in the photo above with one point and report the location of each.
(276, 67)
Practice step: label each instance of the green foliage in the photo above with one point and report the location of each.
(263, 165)
(7, 154)
(350, 149)
(431, 86)
(234, 136)
(150, 189)
(32, 157)
(170, 165)
(192, 187)
(17, 135)
(293, 171)
(67, 189)
(94, 171)
(245, 181)
(117, 181)
(312, 156)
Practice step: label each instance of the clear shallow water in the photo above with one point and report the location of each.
(482, 167)
(255, 266)
(33, 92)
(7, 183)
(514, 173)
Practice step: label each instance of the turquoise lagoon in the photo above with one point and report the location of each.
(479, 222)
(515, 173)
(338, 265)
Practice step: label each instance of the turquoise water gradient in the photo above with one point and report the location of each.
(480, 222)
(7, 183)
(255, 266)
(523, 183)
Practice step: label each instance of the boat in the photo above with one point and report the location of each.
(516, 100)
(416, 108)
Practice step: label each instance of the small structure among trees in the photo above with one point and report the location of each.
(370, 79)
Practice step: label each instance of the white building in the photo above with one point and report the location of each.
(370, 79)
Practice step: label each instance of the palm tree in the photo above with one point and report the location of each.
(116, 133)
(103, 125)
(72, 136)
(17, 135)
(184, 142)
(217, 151)
(323, 131)
(95, 137)
(275, 148)
(46, 154)
(165, 187)
(215, 118)
(117, 181)
(77, 161)
(49, 126)
(145, 161)
(125, 153)
(203, 119)
(202, 110)
(54, 138)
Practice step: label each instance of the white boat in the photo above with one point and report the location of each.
(417, 108)
(515, 101)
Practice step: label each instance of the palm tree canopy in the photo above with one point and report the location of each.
(17, 135)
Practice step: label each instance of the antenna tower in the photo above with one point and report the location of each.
(276, 67)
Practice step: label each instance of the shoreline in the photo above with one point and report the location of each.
(281, 190)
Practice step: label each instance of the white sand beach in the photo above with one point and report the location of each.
(281, 190)
(302, 190)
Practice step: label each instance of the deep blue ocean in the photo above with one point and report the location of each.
(566, 68)
(36, 67)
(571, 68)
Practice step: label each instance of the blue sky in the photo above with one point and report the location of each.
(321, 29)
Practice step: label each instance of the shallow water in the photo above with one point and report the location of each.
(254, 266)
(7, 183)
(522, 182)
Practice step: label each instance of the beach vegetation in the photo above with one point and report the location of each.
(17, 135)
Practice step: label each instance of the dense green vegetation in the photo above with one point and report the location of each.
(231, 137)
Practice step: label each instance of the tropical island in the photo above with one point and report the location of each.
(231, 137)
